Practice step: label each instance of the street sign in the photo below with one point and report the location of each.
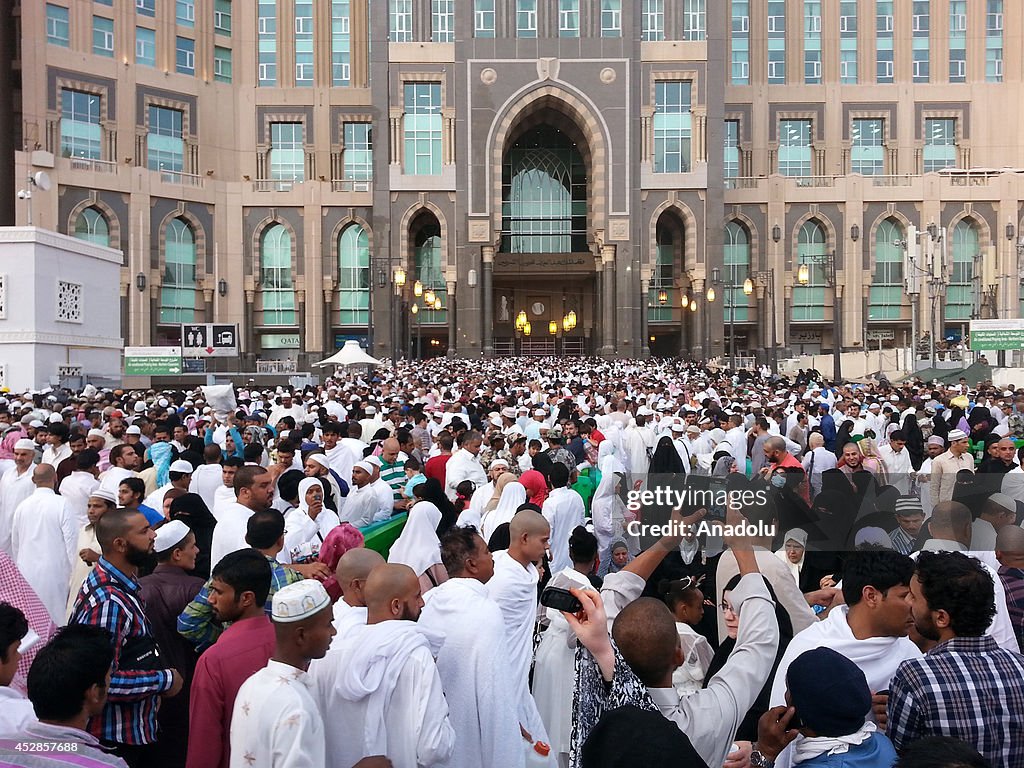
(997, 334)
(209, 340)
(152, 361)
(881, 334)
(193, 365)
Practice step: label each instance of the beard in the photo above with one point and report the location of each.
(927, 629)
(408, 615)
(140, 558)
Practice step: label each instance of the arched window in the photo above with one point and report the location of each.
(354, 276)
(886, 299)
(737, 267)
(178, 290)
(809, 300)
(276, 285)
(661, 276)
(92, 226)
(960, 294)
(428, 270)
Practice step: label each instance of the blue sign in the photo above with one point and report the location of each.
(341, 338)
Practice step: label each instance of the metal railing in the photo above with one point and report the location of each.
(742, 182)
(89, 164)
(276, 366)
(351, 185)
(179, 177)
(901, 180)
(814, 181)
(275, 185)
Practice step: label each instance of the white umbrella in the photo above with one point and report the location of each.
(350, 354)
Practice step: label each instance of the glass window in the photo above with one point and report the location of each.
(960, 292)
(103, 36)
(652, 20)
(341, 43)
(354, 276)
(672, 126)
(776, 42)
(185, 13)
(795, 147)
(731, 168)
(526, 18)
(145, 7)
(358, 155)
(939, 144)
(422, 129)
(266, 35)
(483, 18)
(848, 42)
(957, 41)
(611, 18)
(694, 20)
(287, 153)
(165, 147)
(812, 42)
(105, 2)
(994, 43)
(867, 150)
(222, 17)
(57, 29)
(442, 21)
(221, 64)
(737, 267)
(886, 298)
(809, 300)
(884, 41)
(740, 43)
(277, 289)
(145, 46)
(662, 278)
(401, 21)
(303, 43)
(93, 227)
(428, 271)
(185, 55)
(80, 131)
(178, 291)
(568, 18)
(920, 42)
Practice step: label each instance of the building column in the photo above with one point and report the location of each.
(697, 351)
(453, 350)
(328, 335)
(487, 286)
(250, 326)
(645, 345)
(608, 297)
(300, 302)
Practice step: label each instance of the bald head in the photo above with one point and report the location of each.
(1010, 543)
(392, 591)
(44, 476)
(646, 634)
(951, 520)
(354, 568)
(528, 522)
(774, 443)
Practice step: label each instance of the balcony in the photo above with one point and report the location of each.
(276, 366)
(742, 182)
(275, 185)
(351, 185)
(902, 180)
(815, 182)
(178, 177)
(96, 166)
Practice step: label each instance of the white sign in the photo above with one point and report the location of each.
(209, 340)
(882, 335)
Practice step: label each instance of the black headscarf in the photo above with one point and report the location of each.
(842, 438)
(431, 490)
(630, 736)
(665, 460)
(192, 510)
(915, 440)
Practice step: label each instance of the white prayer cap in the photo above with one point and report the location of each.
(299, 601)
(180, 465)
(677, 427)
(956, 434)
(104, 493)
(97, 433)
(140, 407)
(55, 418)
(133, 430)
(693, 428)
(162, 402)
(320, 459)
(539, 412)
(508, 413)
(24, 444)
(370, 409)
(364, 465)
(36, 424)
(497, 463)
(1004, 501)
(870, 535)
(374, 461)
(170, 535)
(1001, 430)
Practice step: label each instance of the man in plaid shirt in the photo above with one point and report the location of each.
(110, 599)
(966, 687)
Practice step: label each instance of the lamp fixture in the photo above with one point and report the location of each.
(776, 233)
(693, 305)
(1010, 231)
(400, 277)
(552, 327)
(711, 293)
(437, 303)
(855, 233)
(663, 297)
(748, 287)
(428, 297)
(572, 318)
(140, 281)
(803, 275)
(415, 308)
(417, 289)
(527, 329)
(685, 301)
(222, 287)
(382, 278)
(521, 320)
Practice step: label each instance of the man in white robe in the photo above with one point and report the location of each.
(254, 490)
(276, 722)
(208, 477)
(465, 465)
(896, 459)
(76, 488)
(44, 540)
(15, 486)
(364, 504)
(564, 510)
(353, 570)
(472, 662)
(514, 588)
(383, 679)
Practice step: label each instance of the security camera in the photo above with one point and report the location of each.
(24, 194)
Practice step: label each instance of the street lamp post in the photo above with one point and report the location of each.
(716, 280)
(828, 262)
(765, 278)
(415, 309)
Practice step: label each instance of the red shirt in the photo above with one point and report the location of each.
(243, 650)
(436, 468)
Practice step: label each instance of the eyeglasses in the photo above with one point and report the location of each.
(725, 605)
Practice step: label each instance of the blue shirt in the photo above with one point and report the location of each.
(152, 516)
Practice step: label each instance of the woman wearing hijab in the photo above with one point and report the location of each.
(339, 541)
(793, 550)
(431, 490)
(915, 439)
(513, 494)
(161, 454)
(307, 526)
(872, 462)
(665, 460)
(842, 438)
(499, 485)
(192, 510)
(536, 486)
(608, 510)
(418, 546)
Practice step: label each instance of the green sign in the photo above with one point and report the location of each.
(152, 361)
(997, 334)
(280, 341)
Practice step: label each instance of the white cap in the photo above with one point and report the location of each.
(97, 433)
(170, 535)
(956, 434)
(370, 409)
(299, 601)
(182, 466)
(364, 465)
(1004, 501)
(133, 430)
(320, 459)
(104, 493)
(24, 444)
(497, 463)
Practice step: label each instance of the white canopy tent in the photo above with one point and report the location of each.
(350, 354)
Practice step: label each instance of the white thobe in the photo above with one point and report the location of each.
(356, 447)
(514, 589)
(205, 481)
(296, 411)
(474, 513)
(300, 530)
(16, 713)
(385, 497)
(229, 533)
(43, 540)
(361, 506)
(341, 460)
(737, 438)
(564, 510)
(345, 617)
(155, 500)
(75, 489)
(814, 463)
(897, 467)
(924, 485)
(276, 722)
(54, 456)
(14, 489)
(463, 465)
(223, 498)
(682, 446)
(383, 679)
(471, 665)
(636, 449)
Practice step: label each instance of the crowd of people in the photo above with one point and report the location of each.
(445, 563)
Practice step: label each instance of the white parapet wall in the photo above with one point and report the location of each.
(60, 308)
(856, 365)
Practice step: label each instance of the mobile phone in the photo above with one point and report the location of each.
(560, 599)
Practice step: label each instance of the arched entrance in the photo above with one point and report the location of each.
(544, 268)
(428, 323)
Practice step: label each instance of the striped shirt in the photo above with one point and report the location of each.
(968, 688)
(394, 476)
(110, 599)
(1013, 583)
(902, 541)
(197, 623)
